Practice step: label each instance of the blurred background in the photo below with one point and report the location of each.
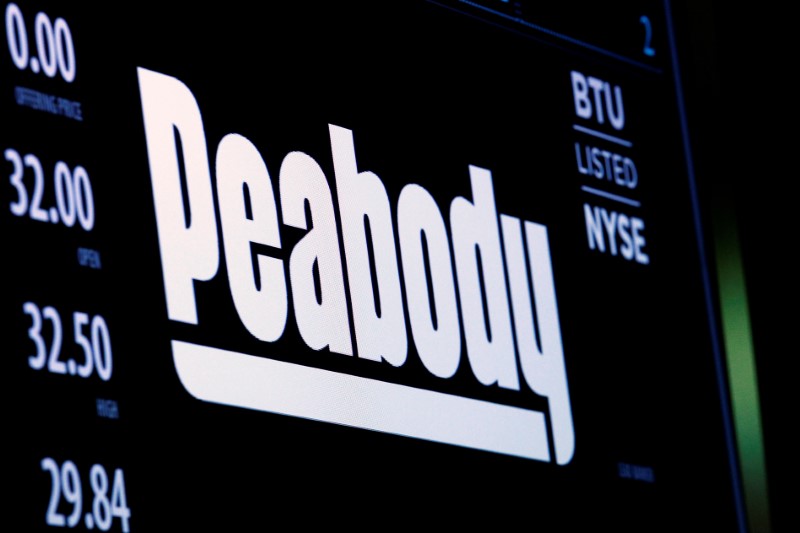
(741, 99)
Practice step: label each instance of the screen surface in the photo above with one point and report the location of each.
(315, 263)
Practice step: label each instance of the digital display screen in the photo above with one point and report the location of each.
(357, 264)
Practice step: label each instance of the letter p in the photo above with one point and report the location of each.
(187, 231)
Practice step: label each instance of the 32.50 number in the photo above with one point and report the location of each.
(96, 347)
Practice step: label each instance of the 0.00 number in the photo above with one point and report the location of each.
(54, 51)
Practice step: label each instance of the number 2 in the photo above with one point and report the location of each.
(648, 36)
(53, 517)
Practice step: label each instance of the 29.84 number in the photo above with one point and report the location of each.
(65, 481)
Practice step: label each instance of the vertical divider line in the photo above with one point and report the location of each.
(722, 384)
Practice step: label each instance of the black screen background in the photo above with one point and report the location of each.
(424, 107)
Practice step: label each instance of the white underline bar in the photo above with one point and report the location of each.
(610, 196)
(242, 380)
(602, 135)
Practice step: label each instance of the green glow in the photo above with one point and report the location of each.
(741, 369)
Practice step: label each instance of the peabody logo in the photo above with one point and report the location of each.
(494, 255)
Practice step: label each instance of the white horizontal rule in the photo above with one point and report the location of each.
(241, 380)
